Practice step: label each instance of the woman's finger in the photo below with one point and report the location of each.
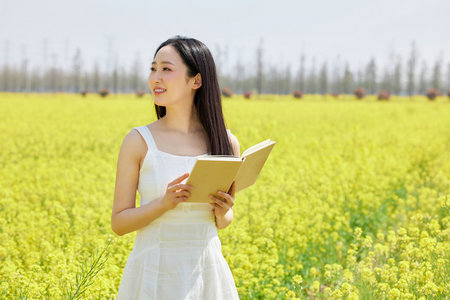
(183, 194)
(220, 202)
(180, 199)
(179, 179)
(228, 198)
(179, 186)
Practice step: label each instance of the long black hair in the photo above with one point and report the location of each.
(207, 100)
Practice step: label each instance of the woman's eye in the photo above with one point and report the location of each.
(152, 69)
(166, 69)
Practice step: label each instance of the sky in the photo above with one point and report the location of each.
(48, 32)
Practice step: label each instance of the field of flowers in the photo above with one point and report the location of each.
(352, 204)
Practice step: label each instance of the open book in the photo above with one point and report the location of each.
(216, 172)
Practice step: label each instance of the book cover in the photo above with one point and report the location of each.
(216, 172)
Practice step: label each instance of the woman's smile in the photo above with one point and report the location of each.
(158, 91)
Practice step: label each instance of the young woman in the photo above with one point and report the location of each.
(177, 252)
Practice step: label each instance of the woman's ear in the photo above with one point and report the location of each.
(197, 81)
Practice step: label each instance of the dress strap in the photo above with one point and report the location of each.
(148, 137)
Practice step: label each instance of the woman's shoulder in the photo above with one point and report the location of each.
(133, 144)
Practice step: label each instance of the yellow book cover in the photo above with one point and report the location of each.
(216, 172)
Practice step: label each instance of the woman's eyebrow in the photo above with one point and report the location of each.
(164, 62)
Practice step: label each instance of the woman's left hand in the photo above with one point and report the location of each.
(224, 202)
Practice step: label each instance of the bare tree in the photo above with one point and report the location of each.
(76, 71)
(410, 86)
(336, 76)
(115, 79)
(436, 77)
(371, 76)
(423, 78)
(347, 80)
(397, 77)
(301, 73)
(386, 81)
(448, 77)
(311, 82)
(323, 79)
(259, 66)
(96, 78)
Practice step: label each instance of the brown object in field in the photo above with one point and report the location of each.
(298, 94)
(103, 92)
(247, 94)
(448, 94)
(359, 92)
(227, 92)
(335, 95)
(384, 95)
(432, 94)
(83, 93)
(140, 93)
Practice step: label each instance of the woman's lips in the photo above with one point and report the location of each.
(158, 91)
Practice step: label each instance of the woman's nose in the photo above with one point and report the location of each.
(154, 77)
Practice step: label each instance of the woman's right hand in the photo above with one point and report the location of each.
(176, 192)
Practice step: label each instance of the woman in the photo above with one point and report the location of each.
(177, 252)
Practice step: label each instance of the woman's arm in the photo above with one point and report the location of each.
(126, 217)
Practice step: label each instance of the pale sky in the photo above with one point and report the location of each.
(354, 30)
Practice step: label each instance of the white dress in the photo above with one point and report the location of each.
(178, 255)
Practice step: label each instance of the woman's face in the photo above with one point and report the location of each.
(168, 79)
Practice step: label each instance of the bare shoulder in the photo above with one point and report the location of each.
(133, 145)
(234, 144)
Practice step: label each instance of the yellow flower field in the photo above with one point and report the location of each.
(353, 202)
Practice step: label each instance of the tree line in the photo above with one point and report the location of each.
(402, 76)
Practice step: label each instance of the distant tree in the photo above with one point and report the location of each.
(436, 76)
(423, 78)
(386, 81)
(347, 80)
(448, 78)
(359, 81)
(115, 78)
(135, 75)
(397, 78)
(285, 80)
(239, 76)
(311, 81)
(259, 66)
(122, 79)
(76, 71)
(371, 76)
(335, 81)
(301, 73)
(96, 77)
(86, 82)
(24, 78)
(323, 79)
(411, 69)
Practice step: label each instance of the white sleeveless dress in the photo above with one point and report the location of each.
(178, 255)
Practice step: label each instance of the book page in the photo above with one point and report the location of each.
(253, 163)
(256, 147)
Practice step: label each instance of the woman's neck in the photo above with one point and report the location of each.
(183, 120)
